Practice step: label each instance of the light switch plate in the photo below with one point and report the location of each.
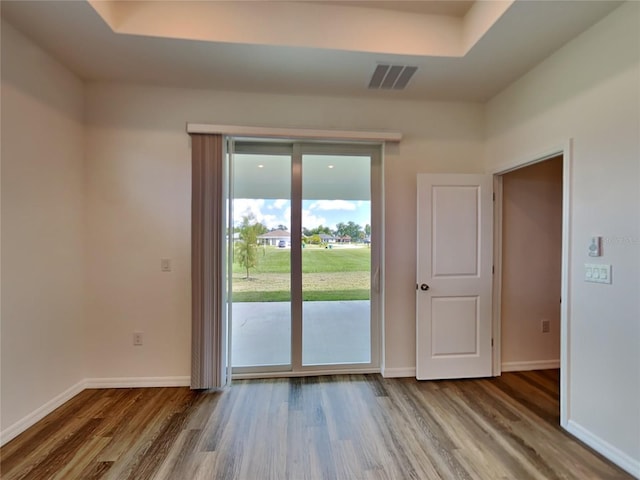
(597, 273)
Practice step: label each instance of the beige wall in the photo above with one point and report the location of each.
(128, 206)
(531, 261)
(42, 229)
(138, 199)
(590, 91)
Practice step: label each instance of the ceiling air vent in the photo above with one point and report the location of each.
(394, 77)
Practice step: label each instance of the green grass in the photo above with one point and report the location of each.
(307, 296)
(314, 260)
(328, 274)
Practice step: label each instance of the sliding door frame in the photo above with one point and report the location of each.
(297, 149)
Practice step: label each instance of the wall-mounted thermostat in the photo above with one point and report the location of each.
(595, 247)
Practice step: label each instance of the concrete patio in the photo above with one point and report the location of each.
(332, 333)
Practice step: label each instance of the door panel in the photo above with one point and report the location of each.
(336, 312)
(260, 307)
(456, 238)
(454, 270)
(454, 326)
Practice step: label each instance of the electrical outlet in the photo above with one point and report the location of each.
(137, 339)
(165, 264)
(546, 326)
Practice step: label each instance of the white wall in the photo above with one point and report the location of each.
(138, 199)
(42, 328)
(531, 261)
(590, 91)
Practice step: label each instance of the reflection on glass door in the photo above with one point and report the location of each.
(336, 259)
(304, 255)
(261, 279)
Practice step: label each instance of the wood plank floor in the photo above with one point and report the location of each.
(337, 427)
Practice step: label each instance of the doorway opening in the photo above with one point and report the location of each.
(531, 266)
(305, 244)
(531, 262)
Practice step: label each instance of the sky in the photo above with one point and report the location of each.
(272, 213)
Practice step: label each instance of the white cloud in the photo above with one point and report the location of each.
(284, 219)
(271, 221)
(332, 205)
(309, 220)
(272, 213)
(280, 204)
(248, 206)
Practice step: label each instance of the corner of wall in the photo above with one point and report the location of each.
(614, 454)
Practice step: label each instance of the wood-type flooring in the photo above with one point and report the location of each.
(334, 427)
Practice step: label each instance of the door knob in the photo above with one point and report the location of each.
(424, 287)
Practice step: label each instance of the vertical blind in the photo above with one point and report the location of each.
(208, 330)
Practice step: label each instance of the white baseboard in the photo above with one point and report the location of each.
(20, 426)
(38, 414)
(399, 372)
(251, 376)
(524, 366)
(137, 382)
(618, 457)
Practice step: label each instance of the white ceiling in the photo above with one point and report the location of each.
(525, 34)
(325, 177)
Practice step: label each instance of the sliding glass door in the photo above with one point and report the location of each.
(336, 259)
(261, 240)
(306, 257)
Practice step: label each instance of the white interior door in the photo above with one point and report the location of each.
(454, 276)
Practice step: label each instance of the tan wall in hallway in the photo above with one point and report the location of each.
(531, 264)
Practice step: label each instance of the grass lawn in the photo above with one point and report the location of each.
(314, 260)
(307, 296)
(328, 274)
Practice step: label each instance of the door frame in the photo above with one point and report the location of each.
(566, 150)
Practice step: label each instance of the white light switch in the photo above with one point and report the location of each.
(597, 273)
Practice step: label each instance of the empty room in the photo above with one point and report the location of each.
(320, 239)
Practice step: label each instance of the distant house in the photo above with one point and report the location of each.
(345, 239)
(327, 238)
(273, 238)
